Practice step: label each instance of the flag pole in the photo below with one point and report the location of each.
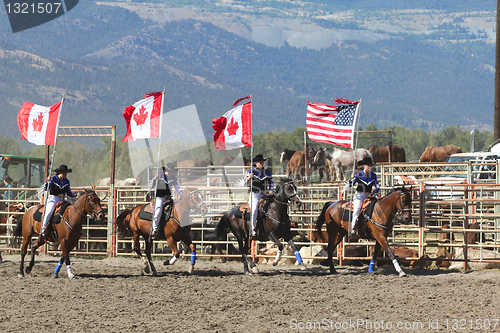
(357, 116)
(158, 162)
(52, 158)
(251, 152)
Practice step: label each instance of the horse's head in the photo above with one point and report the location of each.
(92, 205)
(404, 203)
(287, 191)
(319, 156)
(282, 155)
(196, 201)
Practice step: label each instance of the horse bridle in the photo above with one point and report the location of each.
(401, 204)
(87, 202)
(289, 197)
(197, 208)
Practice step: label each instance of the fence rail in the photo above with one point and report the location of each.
(463, 218)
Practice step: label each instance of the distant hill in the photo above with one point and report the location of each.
(105, 58)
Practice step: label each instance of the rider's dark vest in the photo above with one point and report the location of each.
(162, 188)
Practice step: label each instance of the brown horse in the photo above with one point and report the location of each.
(129, 220)
(383, 155)
(296, 167)
(439, 154)
(286, 154)
(275, 224)
(67, 232)
(13, 214)
(378, 227)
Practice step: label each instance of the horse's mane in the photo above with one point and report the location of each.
(403, 189)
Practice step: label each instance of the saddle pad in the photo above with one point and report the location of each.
(58, 212)
(146, 214)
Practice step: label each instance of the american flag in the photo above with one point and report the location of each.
(331, 123)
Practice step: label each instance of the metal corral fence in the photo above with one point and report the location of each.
(453, 219)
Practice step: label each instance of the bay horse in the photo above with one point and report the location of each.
(67, 232)
(286, 154)
(383, 155)
(13, 214)
(296, 166)
(377, 227)
(439, 154)
(129, 221)
(275, 224)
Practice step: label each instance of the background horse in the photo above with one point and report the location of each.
(129, 221)
(13, 214)
(67, 232)
(378, 227)
(286, 154)
(382, 154)
(296, 167)
(340, 159)
(275, 224)
(439, 154)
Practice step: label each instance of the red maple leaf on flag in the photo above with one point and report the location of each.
(38, 123)
(232, 127)
(140, 118)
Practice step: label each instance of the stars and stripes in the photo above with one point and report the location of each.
(331, 123)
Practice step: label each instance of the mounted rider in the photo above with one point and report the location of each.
(260, 177)
(58, 187)
(367, 183)
(162, 182)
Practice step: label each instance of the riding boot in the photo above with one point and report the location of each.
(154, 234)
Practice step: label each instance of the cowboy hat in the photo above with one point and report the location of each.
(366, 161)
(259, 158)
(170, 167)
(63, 169)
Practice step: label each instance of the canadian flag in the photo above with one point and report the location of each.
(38, 124)
(143, 118)
(234, 128)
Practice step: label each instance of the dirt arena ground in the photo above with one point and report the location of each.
(110, 295)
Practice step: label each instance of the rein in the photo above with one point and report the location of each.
(197, 208)
(281, 203)
(399, 210)
(87, 202)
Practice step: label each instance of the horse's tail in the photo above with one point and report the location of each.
(220, 230)
(122, 223)
(18, 231)
(321, 220)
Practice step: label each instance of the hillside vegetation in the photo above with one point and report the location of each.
(104, 58)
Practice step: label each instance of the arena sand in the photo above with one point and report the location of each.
(110, 295)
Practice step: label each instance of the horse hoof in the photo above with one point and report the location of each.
(20, 275)
(333, 271)
(55, 275)
(275, 263)
(303, 267)
(72, 277)
(401, 274)
(166, 263)
(190, 270)
(146, 269)
(28, 270)
(255, 270)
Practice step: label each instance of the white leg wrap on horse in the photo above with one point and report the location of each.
(396, 265)
(173, 260)
(70, 272)
(278, 256)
